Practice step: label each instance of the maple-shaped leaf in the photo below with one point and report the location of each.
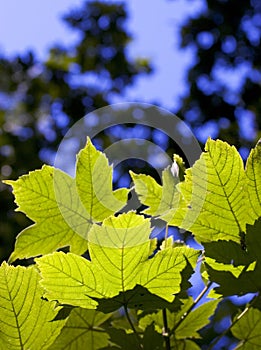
(182, 325)
(236, 271)
(253, 171)
(83, 330)
(63, 208)
(94, 184)
(162, 201)
(216, 192)
(119, 252)
(25, 318)
(248, 330)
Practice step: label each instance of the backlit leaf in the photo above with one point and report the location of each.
(94, 184)
(64, 209)
(83, 330)
(215, 189)
(119, 252)
(237, 271)
(248, 330)
(25, 319)
(191, 323)
(253, 171)
(161, 200)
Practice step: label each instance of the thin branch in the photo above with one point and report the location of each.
(199, 297)
(165, 330)
(166, 234)
(217, 339)
(132, 327)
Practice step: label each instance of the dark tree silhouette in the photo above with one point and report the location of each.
(40, 100)
(225, 79)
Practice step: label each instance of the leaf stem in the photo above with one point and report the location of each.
(217, 339)
(165, 330)
(132, 327)
(199, 297)
(166, 234)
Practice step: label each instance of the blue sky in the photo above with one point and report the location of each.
(36, 25)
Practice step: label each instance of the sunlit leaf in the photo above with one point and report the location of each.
(119, 252)
(118, 248)
(63, 209)
(70, 279)
(253, 171)
(195, 320)
(215, 189)
(161, 200)
(48, 197)
(162, 274)
(94, 184)
(25, 319)
(182, 325)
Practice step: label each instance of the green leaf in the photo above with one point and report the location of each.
(162, 274)
(118, 248)
(161, 200)
(253, 170)
(64, 209)
(184, 344)
(69, 278)
(48, 197)
(24, 316)
(94, 184)
(236, 271)
(248, 329)
(196, 320)
(215, 189)
(119, 252)
(152, 340)
(83, 330)
(138, 298)
(123, 340)
(191, 323)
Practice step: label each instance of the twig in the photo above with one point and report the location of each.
(199, 297)
(132, 327)
(217, 339)
(165, 331)
(166, 234)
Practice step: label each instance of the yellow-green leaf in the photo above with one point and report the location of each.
(215, 189)
(119, 260)
(253, 171)
(25, 318)
(94, 184)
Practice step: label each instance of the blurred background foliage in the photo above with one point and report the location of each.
(224, 81)
(40, 100)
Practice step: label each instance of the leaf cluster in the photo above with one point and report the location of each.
(100, 281)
